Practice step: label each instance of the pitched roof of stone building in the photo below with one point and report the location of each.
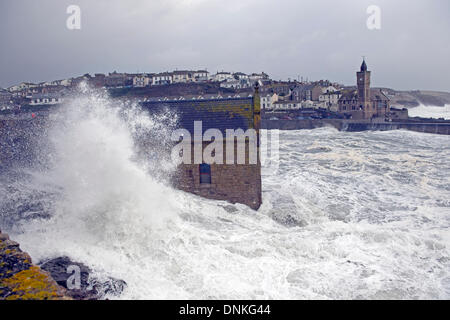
(214, 113)
(349, 95)
(377, 94)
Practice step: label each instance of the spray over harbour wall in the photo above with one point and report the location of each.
(28, 139)
(436, 127)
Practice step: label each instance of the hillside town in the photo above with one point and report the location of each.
(54, 92)
(277, 95)
(286, 100)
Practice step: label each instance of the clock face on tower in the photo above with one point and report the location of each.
(360, 79)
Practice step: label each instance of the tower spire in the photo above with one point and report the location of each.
(364, 65)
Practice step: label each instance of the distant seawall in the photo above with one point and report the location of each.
(426, 127)
(437, 127)
(300, 124)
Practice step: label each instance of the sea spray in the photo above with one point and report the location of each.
(98, 182)
(370, 213)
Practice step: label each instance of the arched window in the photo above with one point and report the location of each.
(205, 173)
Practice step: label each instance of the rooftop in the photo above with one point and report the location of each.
(213, 112)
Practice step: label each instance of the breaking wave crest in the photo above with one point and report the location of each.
(348, 215)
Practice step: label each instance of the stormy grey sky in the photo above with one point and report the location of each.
(319, 39)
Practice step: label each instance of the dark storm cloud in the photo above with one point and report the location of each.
(286, 38)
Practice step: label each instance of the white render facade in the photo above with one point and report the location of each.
(201, 76)
(268, 100)
(141, 81)
(182, 76)
(287, 105)
(39, 100)
(222, 76)
(330, 98)
(162, 78)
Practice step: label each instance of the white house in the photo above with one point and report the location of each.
(182, 76)
(222, 76)
(201, 76)
(287, 105)
(141, 81)
(45, 99)
(240, 76)
(330, 99)
(268, 100)
(235, 84)
(162, 78)
(14, 88)
(22, 86)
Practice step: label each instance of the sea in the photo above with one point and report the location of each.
(345, 215)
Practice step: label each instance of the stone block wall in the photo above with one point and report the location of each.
(236, 183)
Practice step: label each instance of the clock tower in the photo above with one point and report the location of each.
(363, 81)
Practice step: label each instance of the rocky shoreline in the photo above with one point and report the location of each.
(21, 280)
(79, 281)
(55, 279)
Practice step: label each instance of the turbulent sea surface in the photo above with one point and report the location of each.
(346, 216)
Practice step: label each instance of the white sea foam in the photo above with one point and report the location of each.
(348, 215)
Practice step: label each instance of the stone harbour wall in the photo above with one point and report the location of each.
(436, 127)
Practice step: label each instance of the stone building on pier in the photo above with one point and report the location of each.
(234, 181)
(364, 103)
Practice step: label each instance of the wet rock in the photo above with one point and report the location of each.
(20, 279)
(230, 209)
(286, 212)
(287, 220)
(77, 279)
(12, 259)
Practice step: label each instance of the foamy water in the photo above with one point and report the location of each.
(430, 112)
(347, 215)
